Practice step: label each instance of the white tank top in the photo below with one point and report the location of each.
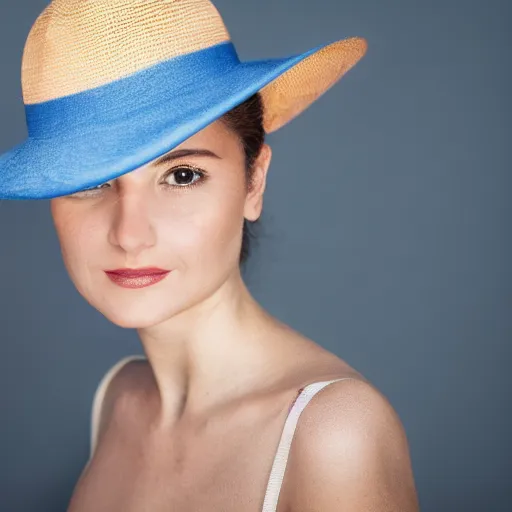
(279, 465)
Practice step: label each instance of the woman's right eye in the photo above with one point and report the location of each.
(91, 191)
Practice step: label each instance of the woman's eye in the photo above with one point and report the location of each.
(103, 185)
(182, 177)
(91, 190)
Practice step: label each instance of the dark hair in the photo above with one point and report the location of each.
(246, 120)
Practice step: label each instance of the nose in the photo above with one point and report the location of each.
(131, 229)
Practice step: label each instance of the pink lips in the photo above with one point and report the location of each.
(136, 277)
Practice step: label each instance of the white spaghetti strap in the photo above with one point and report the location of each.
(278, 467)
(99, 395)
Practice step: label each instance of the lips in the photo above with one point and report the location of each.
(136, 272)
(136, 277)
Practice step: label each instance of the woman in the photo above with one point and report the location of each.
(148, 135)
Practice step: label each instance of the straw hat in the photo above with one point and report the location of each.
(109, 85)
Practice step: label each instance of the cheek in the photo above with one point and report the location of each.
(206, 231)
(79, 240)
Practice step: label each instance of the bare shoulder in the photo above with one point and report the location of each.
(351, 402)
(118, 389)
(350, 451)
(129, 372)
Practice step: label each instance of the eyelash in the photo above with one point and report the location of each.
(198, 172)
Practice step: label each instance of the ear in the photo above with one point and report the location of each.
(254, 199)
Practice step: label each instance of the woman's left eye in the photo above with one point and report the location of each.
(183, 177)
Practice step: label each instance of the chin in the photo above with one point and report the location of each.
(136, 312)
(148, 308)
(137, 318)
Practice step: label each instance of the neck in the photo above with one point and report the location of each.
(214, 352)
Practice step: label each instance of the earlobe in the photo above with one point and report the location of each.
(254, 198)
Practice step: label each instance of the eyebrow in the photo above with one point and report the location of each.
(181, 153)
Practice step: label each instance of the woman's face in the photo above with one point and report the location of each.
(184, 214)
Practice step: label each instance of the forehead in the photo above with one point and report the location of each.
(216, 137)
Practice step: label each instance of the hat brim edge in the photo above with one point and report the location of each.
(43, 181)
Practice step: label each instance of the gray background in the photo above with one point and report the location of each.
(386, 238)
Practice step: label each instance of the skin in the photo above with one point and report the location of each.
(195, 427)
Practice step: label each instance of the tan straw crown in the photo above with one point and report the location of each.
(78, 45)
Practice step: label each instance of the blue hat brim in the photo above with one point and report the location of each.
(91, 142)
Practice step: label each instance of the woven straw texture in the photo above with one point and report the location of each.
(77, 45)
(289, 94)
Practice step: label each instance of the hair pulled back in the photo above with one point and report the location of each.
(246, 120)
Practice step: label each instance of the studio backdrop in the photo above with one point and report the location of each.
(385, 238)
